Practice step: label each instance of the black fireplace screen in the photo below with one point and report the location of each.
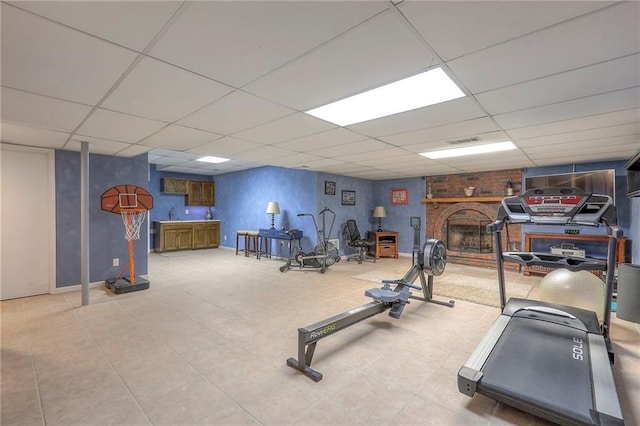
(469, 237)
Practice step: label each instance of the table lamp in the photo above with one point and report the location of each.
(273, 209)
(379, 212)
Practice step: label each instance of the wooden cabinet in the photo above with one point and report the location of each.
(173, 235)
(174, 186)
(197, 192)
(206, 235)
(386, 244)
(176, 238)
(200, 193)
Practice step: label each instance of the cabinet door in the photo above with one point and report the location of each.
(214, 234)
(169, 240)
(185, 239)
(208, 194)
(200, 236)
(173, 186)
(194, 196)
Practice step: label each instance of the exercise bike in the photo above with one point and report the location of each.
(323, 255)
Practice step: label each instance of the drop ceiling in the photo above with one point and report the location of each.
(180, 80)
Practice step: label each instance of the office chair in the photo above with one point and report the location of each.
(353, 239)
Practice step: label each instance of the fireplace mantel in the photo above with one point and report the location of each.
(463, 200)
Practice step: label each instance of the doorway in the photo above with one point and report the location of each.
(27, 221)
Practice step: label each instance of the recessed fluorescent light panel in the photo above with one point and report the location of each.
(470, 150)
(427, 88)
(214, 160)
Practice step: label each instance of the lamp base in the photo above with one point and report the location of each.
(379, 230)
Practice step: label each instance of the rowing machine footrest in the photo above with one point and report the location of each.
(382, 295)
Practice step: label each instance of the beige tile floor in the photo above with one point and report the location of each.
(207, 344)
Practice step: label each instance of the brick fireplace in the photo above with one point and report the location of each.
(460, 221)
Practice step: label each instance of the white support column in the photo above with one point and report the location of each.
(84, 221)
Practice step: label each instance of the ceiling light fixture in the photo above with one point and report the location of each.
(214, 160)
(427, 88)
(470, 150)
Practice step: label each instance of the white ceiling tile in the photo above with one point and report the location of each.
(179, 138)
(134, 150)
(387, 154)
(236, 42)
(604, 35)
(23, 135)
(286, 128)
(454, 28)
(260, 155)
(41, 111)
(359, 147)
(599, 78)
(104, 124)
(97, 146)
(47, 58)
(186, 156)
(131, 23)
(225, 147)
(592, 105)
(461, 109)
(159, 91)
(234, 112)
(593, 146)
(293, 160)
(450, 132)
(596, 121)
(592, 134)
(333, 137)
(361, 59)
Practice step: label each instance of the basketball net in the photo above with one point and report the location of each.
(132, 219)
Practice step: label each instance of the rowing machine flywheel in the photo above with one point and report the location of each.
(435, 257)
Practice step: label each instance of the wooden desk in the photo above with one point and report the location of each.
(386, 244)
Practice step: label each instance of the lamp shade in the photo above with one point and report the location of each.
(379, 211)
(273, 207)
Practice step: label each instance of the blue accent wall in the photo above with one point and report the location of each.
(106, 230)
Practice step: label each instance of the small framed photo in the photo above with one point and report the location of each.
(399, 196)
(348, 198)
(329, 187)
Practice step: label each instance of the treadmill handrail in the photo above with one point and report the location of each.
(546, 310)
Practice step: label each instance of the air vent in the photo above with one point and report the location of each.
(461, 141)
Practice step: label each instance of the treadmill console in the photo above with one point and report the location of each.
(557, 206)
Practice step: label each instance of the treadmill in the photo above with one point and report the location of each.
(550, 360)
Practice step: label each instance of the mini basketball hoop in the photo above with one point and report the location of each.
(131, 202)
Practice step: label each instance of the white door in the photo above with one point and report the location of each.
(27, 221)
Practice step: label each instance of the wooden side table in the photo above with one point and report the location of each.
(386, 244)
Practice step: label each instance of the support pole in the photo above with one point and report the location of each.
(132, 269)
(84, 221)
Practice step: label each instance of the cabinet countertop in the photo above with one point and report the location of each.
(188, 221)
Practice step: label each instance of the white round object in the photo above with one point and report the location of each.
(581, 289)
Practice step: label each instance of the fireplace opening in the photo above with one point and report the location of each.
(469, 237)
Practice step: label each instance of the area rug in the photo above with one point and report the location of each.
(483, 291)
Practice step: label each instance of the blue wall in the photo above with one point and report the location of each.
(242, 197)
(241, 201)
(106, 230)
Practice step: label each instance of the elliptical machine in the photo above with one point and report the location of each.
(323, 255)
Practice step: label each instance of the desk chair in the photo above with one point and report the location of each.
(353, 239)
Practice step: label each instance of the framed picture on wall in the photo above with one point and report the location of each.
(329, 187)
(348, 198)
(399, 196)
